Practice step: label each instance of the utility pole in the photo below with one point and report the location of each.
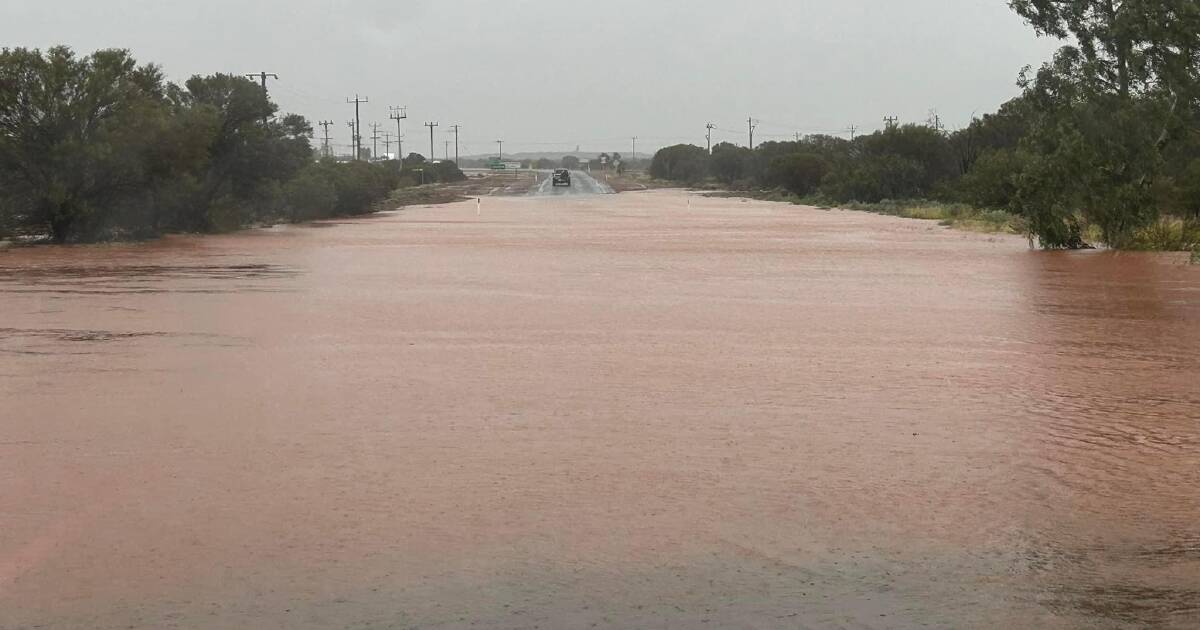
(634, 149)
(326, 124)
(935, 120)
(446, 149)
(456, 128)
(501, 143)
(387, 143)
(398, 114)
(375, 139)
(431, 126)
(750, 122)
(708, 136)
(891, 121)
(853, 129)
(353, 136)
(357, 125)
(263, 76)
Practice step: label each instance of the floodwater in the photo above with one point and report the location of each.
(598, 411)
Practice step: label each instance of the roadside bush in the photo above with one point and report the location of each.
(731, 164)
(799, 173)
(680, 163)
(311, 195)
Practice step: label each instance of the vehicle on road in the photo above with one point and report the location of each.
(562, 177)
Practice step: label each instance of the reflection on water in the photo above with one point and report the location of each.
(626, 411)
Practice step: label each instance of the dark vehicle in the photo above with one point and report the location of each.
(562, 177)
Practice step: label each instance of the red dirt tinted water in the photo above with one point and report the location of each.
(598, 411)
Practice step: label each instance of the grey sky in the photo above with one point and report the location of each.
(553, 75)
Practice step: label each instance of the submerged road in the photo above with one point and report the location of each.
(581, 184)
(629, 412)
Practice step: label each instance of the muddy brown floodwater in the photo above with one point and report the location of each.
(610, 411)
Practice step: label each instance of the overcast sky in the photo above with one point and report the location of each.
(553, 75)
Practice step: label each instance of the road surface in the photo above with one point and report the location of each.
(581, 184)
(598, 411)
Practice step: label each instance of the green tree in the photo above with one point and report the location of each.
(1105, 111)
(680, 163)
(71, 150)
(731, 164)
(798, 173)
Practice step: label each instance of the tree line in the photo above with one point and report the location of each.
(1102, 142)
(100, 147)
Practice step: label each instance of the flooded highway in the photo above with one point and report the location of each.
(623, 411)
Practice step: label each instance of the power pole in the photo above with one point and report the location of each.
(708, 136)
(398, 114)
(853, 129)
(456, 128)
(357, 125)
(263, 76)
(634, 149)
(935, 120)
(326, 124)
(890, 121)
(501, 143)
(750, 122)
(446, 149)
(387, 143)
(431, 126)
(375, 139)
(353, 136)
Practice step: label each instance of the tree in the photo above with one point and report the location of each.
(69, 155)
(681, 163)
(570, 161)
(798, 173)
(730, 163)
(1105, 111)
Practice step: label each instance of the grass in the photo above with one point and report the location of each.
(1169, 234)
(954, 215)
(431, 194)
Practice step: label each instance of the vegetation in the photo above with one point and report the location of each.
(99, 147)
(1103, 144)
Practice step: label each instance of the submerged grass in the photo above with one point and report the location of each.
(955, 215)
(1169, 234)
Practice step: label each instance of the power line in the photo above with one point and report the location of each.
(357, 125)
(326, 124)
(263, 76)
(375, 139)
(431, 125)
(387, 143)
(456, 128)
(399, 114)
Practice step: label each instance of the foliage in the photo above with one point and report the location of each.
(99, 147)
(798, 173)
(681, 163)
(731, 164)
